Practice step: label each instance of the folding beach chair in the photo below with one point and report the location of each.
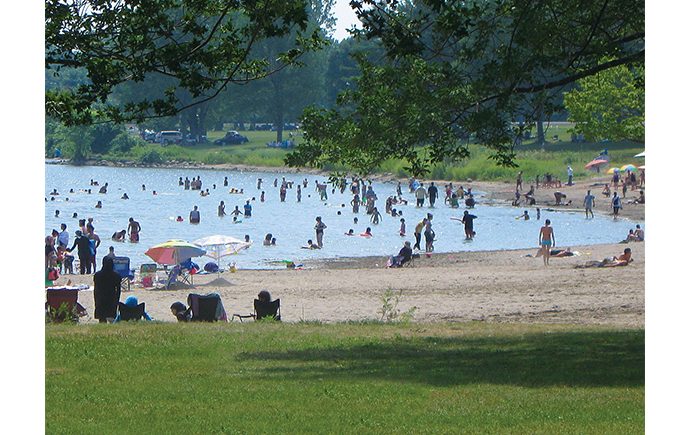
(148, 274)
(131, 313)
(121, 266)
(206, 308)
(263, 310)
(178, 274)
(62, 304)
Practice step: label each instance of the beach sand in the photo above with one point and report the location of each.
(492, 286)
(496, 286)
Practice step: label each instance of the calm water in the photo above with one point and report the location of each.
(291, 223)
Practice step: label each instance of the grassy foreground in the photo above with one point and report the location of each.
(343, 378)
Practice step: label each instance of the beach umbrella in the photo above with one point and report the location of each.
(612, 170)
(640, 167)
(629, 167)
(640, 155)
(174, 252)
(218, 246)
(596, 162)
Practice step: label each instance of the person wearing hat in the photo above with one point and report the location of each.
(84, 252)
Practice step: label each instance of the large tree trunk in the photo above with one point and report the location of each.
(540, 126)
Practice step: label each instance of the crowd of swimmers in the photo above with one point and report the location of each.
(362, 195)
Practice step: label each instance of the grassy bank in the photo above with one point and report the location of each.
(531, 159)
(343, 378)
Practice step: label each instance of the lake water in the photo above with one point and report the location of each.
(290, 222)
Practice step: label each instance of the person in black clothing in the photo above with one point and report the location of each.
(468, 220)
(84, 251)
(433, 194)
(403, 256)
(106, 291)
(181, 312)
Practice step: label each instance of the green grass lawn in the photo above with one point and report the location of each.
(343, 378)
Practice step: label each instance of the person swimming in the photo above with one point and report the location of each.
(99, 204)
(367, 233)
(350, 232)
(119, 236)
(124, 196)
(311, 245)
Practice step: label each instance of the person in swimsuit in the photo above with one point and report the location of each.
(547, 239)
(134, 229)
(194, 216)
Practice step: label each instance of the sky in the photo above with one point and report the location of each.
(345, 18)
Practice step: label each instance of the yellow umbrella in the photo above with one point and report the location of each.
(612, 170)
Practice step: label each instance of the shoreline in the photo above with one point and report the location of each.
(486, 286)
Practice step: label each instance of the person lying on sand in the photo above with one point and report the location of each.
(623, 260)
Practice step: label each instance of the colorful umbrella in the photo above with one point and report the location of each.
(218, 246)
(174, 252)
(612, 170)
(596, 162)
(629, 167)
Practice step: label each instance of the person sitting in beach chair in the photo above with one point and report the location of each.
(131, 310)
(206, 308)
(404, 256)
(264, 308)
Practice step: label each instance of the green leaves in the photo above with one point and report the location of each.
(459, 70)
(202, 46)
(609, 105)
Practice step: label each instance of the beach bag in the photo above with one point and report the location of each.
(211, 267)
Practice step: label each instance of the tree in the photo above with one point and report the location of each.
(202, 46)
(455, 69)
(609, 105)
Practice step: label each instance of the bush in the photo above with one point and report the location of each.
(123, 143)
(150, 157)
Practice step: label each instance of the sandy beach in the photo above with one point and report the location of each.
(492, 286)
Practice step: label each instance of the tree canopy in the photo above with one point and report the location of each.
(201, 46)
(609, 105)
(461, 69)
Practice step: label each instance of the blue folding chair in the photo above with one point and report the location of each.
(121, 266)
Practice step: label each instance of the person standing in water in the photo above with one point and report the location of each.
(418, 229)
(468, 221)
(433, 194)
(547, 240)
(299, 193)
(589, 204)
(221, 209)
(355, 203)
(133, 229)
(194, 216)
(319, 227)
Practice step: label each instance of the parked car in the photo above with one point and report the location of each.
(168, 137)
(231, 138)
(149, 136)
